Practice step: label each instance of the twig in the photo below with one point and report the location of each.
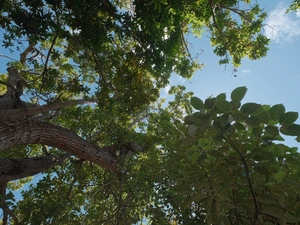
(48, 55)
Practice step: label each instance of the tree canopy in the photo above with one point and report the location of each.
(81, 106)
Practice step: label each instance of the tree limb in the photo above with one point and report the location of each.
(23, 132)
(13, 169)
(24, 54)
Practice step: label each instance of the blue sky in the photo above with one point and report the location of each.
(270, 80)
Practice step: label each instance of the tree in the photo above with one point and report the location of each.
(80, 106)
(231, 165)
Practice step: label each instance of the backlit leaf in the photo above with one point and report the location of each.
(223, 105)
(272, 130)
(195, 156)
(197, 103)
(250, 108)
(210, 103)
(276, 111)
(279, 176)
(292, 130)
(288, 118)
(238, 94)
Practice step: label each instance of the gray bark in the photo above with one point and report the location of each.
(23, 132)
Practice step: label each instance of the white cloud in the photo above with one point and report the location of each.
(246, 71)
(281, 26)
(166, 89)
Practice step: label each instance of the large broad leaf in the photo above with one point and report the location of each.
(272, 130)
(221, 96)
(210, 103)
(288, 118)
(197, 103)
(223, 105)
(264, 117)
(278, 150)
(292, 130)
(274, 212)
(238, 94)
(279, 176)
(257, 131)
(266, 198)
(251, 108)
(276, 111)
(253, 121)
(194, 157)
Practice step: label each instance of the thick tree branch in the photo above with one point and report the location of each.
(24, 54)
(28, 112)
(23, 132)
(13, 169)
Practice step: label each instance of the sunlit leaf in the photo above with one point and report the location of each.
(279, 176)
(195, 156)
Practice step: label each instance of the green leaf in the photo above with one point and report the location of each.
(257, 131)
(293, 161)
(194, 157)
(278, 150)
(221, 97)
(266, 198)
(263, 155)
(253, 121)
(210, 103)
(223, 105)
(288, 118)
(291, 218)
(272, 130)
(238, 94)
(197, 103)
(274, 212)
(276, 111)
(279, 176)
(264, 117)
(239, 126)
(251, 108)
(215, 154)
(292, 130)
(187, 202)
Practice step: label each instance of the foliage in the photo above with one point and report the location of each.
(198, 167)
(232, 167)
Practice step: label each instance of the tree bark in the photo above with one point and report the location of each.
(23, 132)
(13, 169)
